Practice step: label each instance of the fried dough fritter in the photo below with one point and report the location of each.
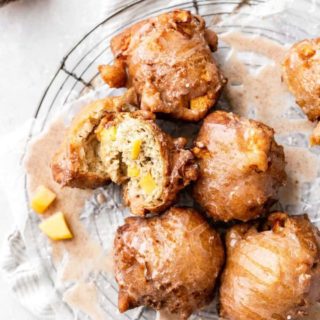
(151, 165)
(241, 167)
(169, 262)
(106, 143)
(75, 163)
(273, 273)
(301, 72)
(169, 63)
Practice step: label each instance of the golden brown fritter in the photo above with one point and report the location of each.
(273, 273)
(106, 143)
(75, 164)
(169, 262)
(169, 63)
(301, 72)
(151, 165)
(241, 167)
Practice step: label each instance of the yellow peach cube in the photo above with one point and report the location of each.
(133, 172)
(56, 227)
(108, 134)
(136, 148)
(200, 103)
(147, 183)
(42, 199)
(258, 159)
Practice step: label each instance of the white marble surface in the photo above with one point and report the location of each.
(34, 37)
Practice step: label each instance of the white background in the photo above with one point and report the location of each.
(34, 37)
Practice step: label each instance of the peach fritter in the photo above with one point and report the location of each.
(301, 72)
(272, 270)
(241, 167)
(168, 262)
(168, 60)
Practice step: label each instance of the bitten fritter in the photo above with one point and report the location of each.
(169, 262)
(75, 163)
(169, 63)
(272, 271)
(150, 165)
(241, 167)
(301, 72)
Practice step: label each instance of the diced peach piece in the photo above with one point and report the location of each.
(200, 103)
(133, 172)
(147, 183)
(136, 148)
(108, 134)
(42, 199)
(56, 227)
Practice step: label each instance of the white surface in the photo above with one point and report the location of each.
(34, 37)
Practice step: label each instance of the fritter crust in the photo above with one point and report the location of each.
(301, 72)
(168, 262)
(75, 164)
(241, 167)
(272, 271)
(169, 63)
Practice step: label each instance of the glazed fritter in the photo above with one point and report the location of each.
(301, 72)
(151, 165)
(169, 63)
(169, 262)
(76, 164)
(241, 167)
(272, 271)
